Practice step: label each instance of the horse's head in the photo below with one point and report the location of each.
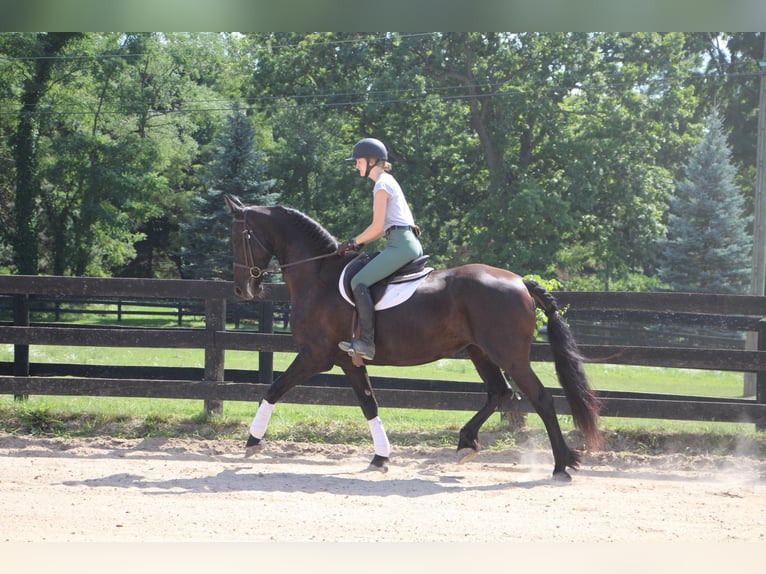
(251, 256)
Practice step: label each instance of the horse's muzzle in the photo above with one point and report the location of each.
(250, 290)
(248, 287)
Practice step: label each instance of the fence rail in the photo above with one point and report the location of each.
(214, 383)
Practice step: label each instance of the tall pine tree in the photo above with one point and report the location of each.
(237, 168)
(708, 246)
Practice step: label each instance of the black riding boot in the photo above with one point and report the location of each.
(364, 346)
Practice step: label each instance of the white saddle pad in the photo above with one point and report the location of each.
(395, 294)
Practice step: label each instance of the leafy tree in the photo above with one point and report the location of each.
(630, 126)
(9, 78)
(708, 248)
(186, 81)
(496, 95)
(522, 150)
(731, 81)
(121, 178)
(312, 89)
(539, 152)
(41, 49)
(235, 168)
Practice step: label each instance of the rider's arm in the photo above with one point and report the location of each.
(375, 230)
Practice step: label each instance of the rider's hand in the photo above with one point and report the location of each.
(349, 245)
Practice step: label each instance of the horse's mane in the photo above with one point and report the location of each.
(313, 231)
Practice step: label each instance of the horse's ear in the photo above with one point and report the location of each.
(233, 203)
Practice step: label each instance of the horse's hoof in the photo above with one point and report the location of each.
(562, 476)
(253, 446)
(379, 463)
(466, 454)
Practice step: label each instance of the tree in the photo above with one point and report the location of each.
(182, 83)
(732, 82)
(236, 168)
(120, 168)
(10, 75)
(629, 131)
(311, 90)
(541, 152)
(506, 91)
(42, 50)
(708, 247)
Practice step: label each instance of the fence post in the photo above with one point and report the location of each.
(266, 359)
(760, 378)
(21, 352)
(215, 320)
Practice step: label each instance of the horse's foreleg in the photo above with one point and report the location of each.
(299, 370)
(360, 382)
(381, 444)
(258, 427)
(497, 389)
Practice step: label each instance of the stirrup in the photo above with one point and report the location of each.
(348, 347)
(366, 355)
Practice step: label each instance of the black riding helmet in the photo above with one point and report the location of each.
(369, 148)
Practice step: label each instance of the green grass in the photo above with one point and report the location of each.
(143, 418)
(134, 418)
(602, 376)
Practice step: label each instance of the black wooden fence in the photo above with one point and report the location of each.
(214, 383)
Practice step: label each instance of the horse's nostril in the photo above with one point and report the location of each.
(238, 291)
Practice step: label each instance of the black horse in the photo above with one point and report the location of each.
(486, 311)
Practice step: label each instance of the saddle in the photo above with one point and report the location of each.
(391, 290)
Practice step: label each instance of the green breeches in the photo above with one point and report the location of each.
(401, 247)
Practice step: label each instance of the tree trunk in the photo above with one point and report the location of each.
(25, 249)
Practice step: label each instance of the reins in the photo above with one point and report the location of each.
(324, 256)
(255, 271)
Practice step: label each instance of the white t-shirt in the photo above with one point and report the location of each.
(397, 210)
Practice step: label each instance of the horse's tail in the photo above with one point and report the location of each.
(582, 400)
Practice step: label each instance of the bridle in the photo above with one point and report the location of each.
(249, 264)
(256, 272)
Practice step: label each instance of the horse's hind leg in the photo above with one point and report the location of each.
(497, 390)
(542, 400)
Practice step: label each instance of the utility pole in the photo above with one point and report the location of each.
(758, 281)
(758, 278)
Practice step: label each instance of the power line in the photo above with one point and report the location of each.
(381, 97)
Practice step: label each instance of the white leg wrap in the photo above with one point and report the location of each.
(379, 437)
(261, 420)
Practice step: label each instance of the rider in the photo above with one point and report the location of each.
(391, 216)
